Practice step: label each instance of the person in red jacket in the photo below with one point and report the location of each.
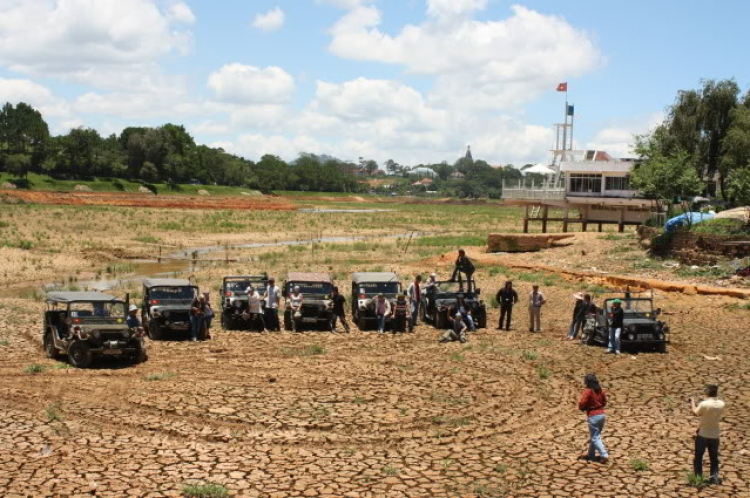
(593, 402)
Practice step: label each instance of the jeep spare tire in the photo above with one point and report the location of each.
(49, 345)
(154, 331)
(79, 355)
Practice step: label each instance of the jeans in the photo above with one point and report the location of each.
(342, 318)
(701, 445)
(196, 322)
(596, 426)
(414, 314)
(576, 327)
(469, 320)
(381, 323)
(505, 314)
(272, 319)
(614, 339)
(535, 318)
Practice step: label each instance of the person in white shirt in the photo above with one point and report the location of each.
(709, 411)
(272, 295)
(536, 301)
(294, 304)
(253, 305)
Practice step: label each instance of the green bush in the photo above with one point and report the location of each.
(207, 490)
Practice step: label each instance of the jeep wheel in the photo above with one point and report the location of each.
(154, 331)
(482, 321)
(661, 348)
(141, 356)
(440, 321)
(590, 338)
(361, 323)
(224, 321)
(423, 314)
(49, 346)
(79, 355)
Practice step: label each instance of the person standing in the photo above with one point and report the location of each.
(465, 266)
(400, 311)
(616, 316)
(132, 320)
(593, 400)
(431, 288)
(506, 298)
(253, 307)
(209, 314)
(457, 332)
(536, 301)
(197, 312)
(582, 309)
(415, 298)
(709, 411)
(337, 310)
(294, 303)
(382, 311)
(271, 297)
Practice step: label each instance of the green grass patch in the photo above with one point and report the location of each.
(159, 376)
(391, 471)
(721, 226)
(530, 355)
(34, 369)
(53, 413)
(695, 481)
(457, 357)
(4, 342)
(639, 464)
(148, 239)
(450, 241)
(206, 490)
(312, 350)
(543, 372)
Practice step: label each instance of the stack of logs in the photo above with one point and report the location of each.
(523, 242)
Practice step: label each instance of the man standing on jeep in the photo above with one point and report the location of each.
(465, 266)
(415, 295)
(132, 319)
(271, 298)
(337, 311)
(616, 317)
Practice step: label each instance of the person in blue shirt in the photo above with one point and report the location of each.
(132, 320)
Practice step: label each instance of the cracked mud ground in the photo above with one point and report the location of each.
(358, 415)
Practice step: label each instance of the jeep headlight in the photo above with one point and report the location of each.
(631, 337)
(631, 328)
(166, 314)
(97, 334)
(661, 336)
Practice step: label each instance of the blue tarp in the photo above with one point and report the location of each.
(685, 218)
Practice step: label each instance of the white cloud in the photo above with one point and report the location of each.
(254, 146)
(617, 138)
(240, 84)
(180, 12)
(83, 39)
(270, 21)
(481, 64)
(34, 94)
(344, 4)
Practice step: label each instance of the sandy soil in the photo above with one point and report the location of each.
(371, 416)
(147, 200)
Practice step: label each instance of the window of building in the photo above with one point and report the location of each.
(617, 183)
(586, 183)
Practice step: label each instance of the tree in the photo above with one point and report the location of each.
(149, 173)
(443, 170)
(739, 186)
(736, 144)
(18, 165)
(370, 166)
(662, 178)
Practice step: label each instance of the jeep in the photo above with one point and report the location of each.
(641, 327)
(234, 306)
(444, 299)
(85, 325)
(365, 287)
(166, 307)
(316, 289)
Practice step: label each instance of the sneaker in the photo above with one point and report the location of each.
(617, 352)
(603, 460)
(194, 339)
(715, 481)
(609, 351)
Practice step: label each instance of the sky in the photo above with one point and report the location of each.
(416, 81)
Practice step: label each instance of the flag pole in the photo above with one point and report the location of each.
(565, 126)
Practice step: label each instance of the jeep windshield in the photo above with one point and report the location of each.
(375, 288)
(178, 293)
(322, 288)
(97, 309)
(635, 306)
(451, 287)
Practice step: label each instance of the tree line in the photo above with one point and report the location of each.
(702, 147)
(168, 154)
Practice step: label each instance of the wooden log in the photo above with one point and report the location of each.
(516, 242)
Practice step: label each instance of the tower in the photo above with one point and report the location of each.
(468, 153)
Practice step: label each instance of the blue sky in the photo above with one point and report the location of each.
(411, 80)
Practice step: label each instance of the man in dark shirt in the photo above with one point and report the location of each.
(465, 266)
(197, 313)
(506, 298)
(337, 311)
(582, 309)
(616, 316)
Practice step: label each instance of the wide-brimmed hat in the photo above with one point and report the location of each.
(133, 307)
(578, 296)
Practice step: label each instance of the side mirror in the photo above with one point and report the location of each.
(478, 291)
(658, 311)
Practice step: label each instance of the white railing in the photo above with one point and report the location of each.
(534, 193)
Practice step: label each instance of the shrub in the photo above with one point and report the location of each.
(207, 490)
(695, 481)
(34, 369)
(639, 465)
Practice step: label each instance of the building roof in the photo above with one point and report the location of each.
(246, 277)
(70, 296)
(423, 171)
(596, 166)
(374, 276)
(299, 276)
(457, 174)
(166, 282)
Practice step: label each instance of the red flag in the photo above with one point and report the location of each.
(562, 87)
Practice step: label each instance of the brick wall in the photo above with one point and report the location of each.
(692, 248)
